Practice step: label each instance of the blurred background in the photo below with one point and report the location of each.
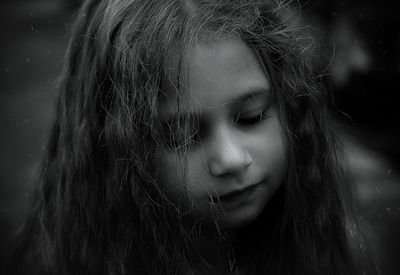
(361, 37)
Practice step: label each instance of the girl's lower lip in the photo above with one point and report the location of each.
(238, 198)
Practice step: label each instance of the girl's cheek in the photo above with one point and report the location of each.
(173, 179)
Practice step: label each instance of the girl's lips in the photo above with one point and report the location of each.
(237, 195)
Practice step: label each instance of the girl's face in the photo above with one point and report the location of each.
(236, 158)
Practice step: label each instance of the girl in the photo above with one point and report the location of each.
(191, 137)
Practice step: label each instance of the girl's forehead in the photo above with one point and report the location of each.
(217, 73)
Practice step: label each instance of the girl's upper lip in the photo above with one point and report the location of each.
(234, 193)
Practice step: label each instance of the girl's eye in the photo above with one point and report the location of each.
(252, 119)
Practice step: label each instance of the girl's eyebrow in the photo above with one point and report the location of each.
(252, 94)
(246, 97)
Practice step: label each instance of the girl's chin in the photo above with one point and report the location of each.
(241, 216)
(232, 217)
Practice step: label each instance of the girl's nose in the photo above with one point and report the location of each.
(227, 154)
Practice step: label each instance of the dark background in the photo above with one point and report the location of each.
(363, 38)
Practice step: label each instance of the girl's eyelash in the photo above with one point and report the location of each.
(176, 139)
(252, 120)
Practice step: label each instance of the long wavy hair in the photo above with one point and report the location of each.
(100, 207)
